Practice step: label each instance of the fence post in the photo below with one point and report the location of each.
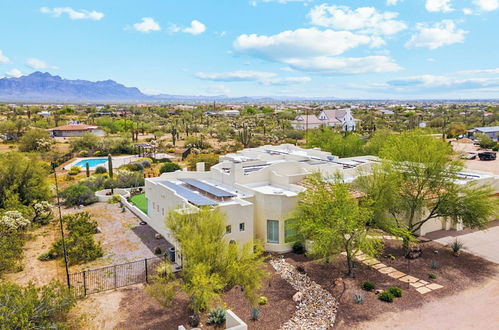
(147, 277)
(115, 281)
(84, 283)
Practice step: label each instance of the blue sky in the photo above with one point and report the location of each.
(344, 49)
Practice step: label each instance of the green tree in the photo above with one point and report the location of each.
(35, 308)
(484, 140)
(35, 140)
(334, 220)
(417, 181)
(23, 180)
(169, 167)
(211, 264)
(338, 144)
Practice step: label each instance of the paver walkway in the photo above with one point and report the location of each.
(421, 286)
(317, 308)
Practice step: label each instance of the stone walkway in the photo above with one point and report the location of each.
(421, 286)
(317, 307)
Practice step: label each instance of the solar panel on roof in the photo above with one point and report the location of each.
(189, 195)
(207, 188)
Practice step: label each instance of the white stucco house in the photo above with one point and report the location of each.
(340, 118)
(258, 189)
(76, 130)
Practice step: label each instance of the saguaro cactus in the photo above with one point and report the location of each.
(110, 171)
(244, 136)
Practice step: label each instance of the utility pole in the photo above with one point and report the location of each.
(62, 226)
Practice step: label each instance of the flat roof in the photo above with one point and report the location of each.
(207, 188)
(191, 196)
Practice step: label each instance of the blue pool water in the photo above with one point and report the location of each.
(92, 162)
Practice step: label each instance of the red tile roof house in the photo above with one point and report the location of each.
(76, 130)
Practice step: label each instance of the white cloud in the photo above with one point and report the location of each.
(344, 65)
(443, 82)
(148, 24)
(487, 5)
(302, 43)
(364, 19)
(480, 71)
(443, 6)
(37, 64)
(437, 35)
(216, 90)
(265, 78)
(196, 28)
(392, 2)
(4, 59)
(467, 11)
(16, 73)
(72, 13)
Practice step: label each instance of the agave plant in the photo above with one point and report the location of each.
(456, 247)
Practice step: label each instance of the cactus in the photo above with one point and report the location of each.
(358, 298)
(87, 167)
(174, 134)
(244, 136)
(110, 170)
(254, 314)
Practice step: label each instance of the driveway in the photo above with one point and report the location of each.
(483, 243)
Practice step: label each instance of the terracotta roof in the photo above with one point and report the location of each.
(76, 127)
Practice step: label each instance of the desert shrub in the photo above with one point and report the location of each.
(434, 264)
(357, 298)
(83, 153)
(11, 250)
(208, 159)
(35, 308)
(386, 296)
(146, 163)
(254, 314)
(97, 153)
(157, 250)
(456, 246)
(78, 195)
(42, 212)
(432, 276)
(169, 167)
(46, 256)
(35, 140)
(14, 221)
(263, 300)
(115, 199)
(80, 244)
(74, 170)
(100, 170)
(135, 167)
(395, 291)
(216, 316)
(484, 140)
(298, 247)
(368, 286)
(164, 287)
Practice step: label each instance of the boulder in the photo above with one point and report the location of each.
(297, 297)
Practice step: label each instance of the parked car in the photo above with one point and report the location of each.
(487, 155)
(468, 155)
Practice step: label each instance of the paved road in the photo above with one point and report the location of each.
(483, 243)
(476, 308)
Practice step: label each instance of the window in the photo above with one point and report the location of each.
(289, 231)
(228, 229)
(241, 226)
(272, 231)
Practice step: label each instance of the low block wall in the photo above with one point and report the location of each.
(102, 197)
(135, 210)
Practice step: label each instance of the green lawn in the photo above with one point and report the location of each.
(140, 201)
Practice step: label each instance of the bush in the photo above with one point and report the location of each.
(78, 195)
(263, 300)
(216, 316)
(135, 167)
(386, 296)
(456, 246)
(97, 153)
(432, 276)
(80, 244)
(208, 159)
(146, 163)
(368, 286)
(357, 298)
(157, 250)
(35, 308)
(169, 167)
(395, 291)
(74, 170)
(115, 199)
(46, 256)
(298, 247)
(100, 170)
(83, 153)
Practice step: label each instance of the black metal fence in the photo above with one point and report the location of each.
(112, 277)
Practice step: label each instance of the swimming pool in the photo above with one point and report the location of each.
(92, 162)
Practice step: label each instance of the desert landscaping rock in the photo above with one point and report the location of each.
(317, 308)
(423, 290)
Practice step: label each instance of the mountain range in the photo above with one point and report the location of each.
(43, 87)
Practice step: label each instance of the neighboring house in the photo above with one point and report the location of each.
(258, 189)
(230, 113)
(76, 130)
(492, 132)
(341, 118)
